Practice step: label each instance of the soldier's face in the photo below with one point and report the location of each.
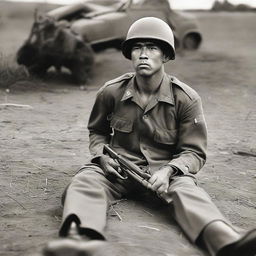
(147, 58)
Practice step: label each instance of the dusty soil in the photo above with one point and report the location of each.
(44, 143)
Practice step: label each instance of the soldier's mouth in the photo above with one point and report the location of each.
(143, 64)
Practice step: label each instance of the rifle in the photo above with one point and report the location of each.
(132, 170)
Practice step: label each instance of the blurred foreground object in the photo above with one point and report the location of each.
(68, 36)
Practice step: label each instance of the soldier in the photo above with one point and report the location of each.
(157, 122)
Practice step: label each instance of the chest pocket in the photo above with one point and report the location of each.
(120, 124)
(168, 137)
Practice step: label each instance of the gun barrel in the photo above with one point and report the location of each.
(126, 163)
(131, 166)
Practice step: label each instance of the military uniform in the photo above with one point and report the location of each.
(171, 130)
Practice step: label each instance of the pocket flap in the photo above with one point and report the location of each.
(121, 124)
(168, 137)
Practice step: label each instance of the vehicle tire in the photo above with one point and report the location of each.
(191, 42)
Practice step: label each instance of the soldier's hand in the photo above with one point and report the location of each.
(110, 166)
(160, 181)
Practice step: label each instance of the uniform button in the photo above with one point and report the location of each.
(145, 116)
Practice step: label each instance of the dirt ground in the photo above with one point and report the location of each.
(43, 144)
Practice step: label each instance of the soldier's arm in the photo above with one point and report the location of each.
(99, 125)
(192, 139)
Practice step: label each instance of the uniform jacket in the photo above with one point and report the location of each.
(171, 130)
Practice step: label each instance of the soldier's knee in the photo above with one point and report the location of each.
(89, 170)
(182, 184)
(184, 181)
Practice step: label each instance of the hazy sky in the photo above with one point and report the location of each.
(177, 4)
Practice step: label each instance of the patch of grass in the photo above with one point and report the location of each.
(11, 72)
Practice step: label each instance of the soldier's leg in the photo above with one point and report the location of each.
(193, 208)
(201, 220)
(86, 201)
(84, 215)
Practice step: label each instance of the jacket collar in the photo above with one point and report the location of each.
(130, 89)
(164, 94)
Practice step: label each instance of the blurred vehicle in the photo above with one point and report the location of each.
(69, 35)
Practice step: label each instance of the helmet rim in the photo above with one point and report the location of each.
(164, 45)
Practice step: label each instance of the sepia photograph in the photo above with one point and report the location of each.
(127, 127)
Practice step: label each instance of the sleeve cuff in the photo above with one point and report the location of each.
(95, 158)
(179, 167)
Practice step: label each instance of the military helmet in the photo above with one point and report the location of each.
(151, 28)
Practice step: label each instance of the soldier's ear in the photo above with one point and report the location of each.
(165, 58)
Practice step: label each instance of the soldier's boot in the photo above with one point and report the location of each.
(74, 245)
(222, 240)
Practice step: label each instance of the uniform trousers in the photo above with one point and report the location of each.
(90, 193)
